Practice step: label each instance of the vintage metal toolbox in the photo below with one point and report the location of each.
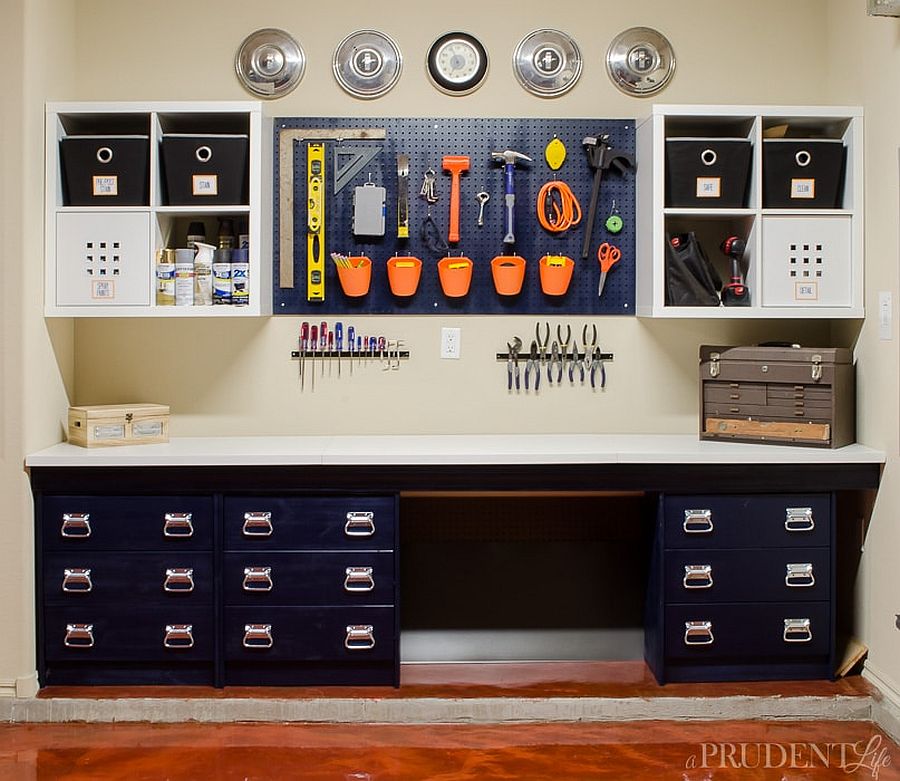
(786, 395)
(118, 424)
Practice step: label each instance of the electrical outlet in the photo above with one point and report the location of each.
(450, 343)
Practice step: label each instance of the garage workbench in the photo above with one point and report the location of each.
(274, 560)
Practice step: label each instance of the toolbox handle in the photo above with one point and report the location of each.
(79, 636)
(258, 579)
(178, 525)
(179, 580)
(360, 637)
(697, 576)
(799, 576)
(360, 524)
(258, 524)
(258, 636)
(797, 630)
(76, 525)
(799, 519)
(77, 580)
(698, 633)
(179, 636)
(359, 579)
(698, 521)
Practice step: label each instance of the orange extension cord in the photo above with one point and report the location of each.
(557, 207)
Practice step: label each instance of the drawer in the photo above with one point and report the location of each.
(749, 632)
(810, 393)
(783, 409)
(734, 392)
(321, 578)
(281, 634)
(86, 577)
(281, 523)
(768, 575)
(127, 522)
(172, 634)
(751, 521)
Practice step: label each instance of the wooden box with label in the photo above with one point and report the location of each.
(118, 424)
(787, 395)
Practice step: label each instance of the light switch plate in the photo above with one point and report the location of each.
(884, 7)
(885, 315)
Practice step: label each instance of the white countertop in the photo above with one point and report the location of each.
(459, 449)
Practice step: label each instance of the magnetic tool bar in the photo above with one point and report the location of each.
(288, 139)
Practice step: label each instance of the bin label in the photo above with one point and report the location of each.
(105, 185)
(803, 188)
(806, 291)
(709, 187)
(104, 289)
(205, 184)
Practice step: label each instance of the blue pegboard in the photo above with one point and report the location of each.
(426, 141)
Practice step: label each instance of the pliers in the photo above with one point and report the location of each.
(512, 363)
(575, 362)
(533, 366)
(563, 345)
(589, 347)
(596, 364)
(555, 360)
(542, 343)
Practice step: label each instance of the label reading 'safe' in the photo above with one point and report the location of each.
(709, 187)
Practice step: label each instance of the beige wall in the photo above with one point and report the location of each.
(235, 377)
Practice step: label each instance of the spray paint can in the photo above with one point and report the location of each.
(184, 277)
(165, 277)
(203, 274)
(240, 277)
(221, 276)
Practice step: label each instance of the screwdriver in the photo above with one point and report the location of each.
(314, 343)
(330, 350)
(339, 343)
(323, 342)
(359, 349)
(351, 340)
(304, 346)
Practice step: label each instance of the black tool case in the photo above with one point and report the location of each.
(778, 395)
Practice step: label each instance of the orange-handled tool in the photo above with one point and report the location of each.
(608, 256)
(456, 165)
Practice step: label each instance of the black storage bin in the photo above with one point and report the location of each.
(803, 173)
(707, 172)
(205, 169)
(105, 170)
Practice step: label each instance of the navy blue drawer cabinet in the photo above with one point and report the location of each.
(310, 590)
(217, 589)
(742, 588)
(126, 590)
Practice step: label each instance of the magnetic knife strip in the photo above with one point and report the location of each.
(425, 141)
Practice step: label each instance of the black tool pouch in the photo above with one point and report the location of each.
(691, 280)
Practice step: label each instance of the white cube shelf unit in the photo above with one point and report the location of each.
(799, 262)
(100, 259)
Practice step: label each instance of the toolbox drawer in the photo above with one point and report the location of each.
(773, 575)
(753, 521)
(750, 632)
(734, 392)
(344, 578)
(787, 410)
(80, 577)
(303, 634)
(90, 633)
(291, 522)
(127, 522)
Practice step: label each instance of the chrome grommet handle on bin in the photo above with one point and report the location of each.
(79, 636)
(258, 524)
(697, 522)
(179, 636)
(76, 525)
(358, 579)
(803, 158)
(178, 525)
(258, 579)
(77, 580)
(104, 155)
(697, 576)
(698, 633)
(799, 519)
(799, 575)
(708, 157)
(797, 630)
(203, 154)
(360, 524)
(179, 580)
(360, 637)
(258, 636)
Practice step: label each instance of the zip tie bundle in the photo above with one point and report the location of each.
(557, 207)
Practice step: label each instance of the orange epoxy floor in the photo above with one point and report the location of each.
(718, 751)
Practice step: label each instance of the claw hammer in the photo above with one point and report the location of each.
(509, 159)
(456, 165)
(601, 157)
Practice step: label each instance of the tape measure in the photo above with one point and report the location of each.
(315, 222)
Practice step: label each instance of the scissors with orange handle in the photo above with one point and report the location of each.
(608, 255)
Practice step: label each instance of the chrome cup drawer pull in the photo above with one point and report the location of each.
(258, 524)
(697, 576)
(258, 636)
(179, 580)
(179, 636)
(799, 519)
(77, 580)
(76, 525)
(358, 579)
(178, 525)
(79, 636)
(697, 522)
(360, 637)
(799, 576)
(797, 630)
(698, 633)
(360, 524)
(258, 579)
